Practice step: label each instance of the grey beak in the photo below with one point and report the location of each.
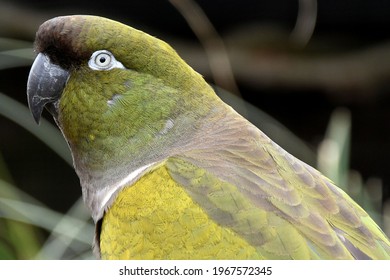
(45, 84)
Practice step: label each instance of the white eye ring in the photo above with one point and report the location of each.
(104, 60)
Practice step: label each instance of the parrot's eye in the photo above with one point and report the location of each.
(104, 60)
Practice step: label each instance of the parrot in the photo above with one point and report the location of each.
(170, 171)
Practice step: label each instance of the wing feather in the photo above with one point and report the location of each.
(282, 206)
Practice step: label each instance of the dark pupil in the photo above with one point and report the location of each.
(102, 59)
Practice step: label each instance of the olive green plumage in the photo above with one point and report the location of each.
(137, 117)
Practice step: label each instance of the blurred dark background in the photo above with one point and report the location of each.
(297, 61)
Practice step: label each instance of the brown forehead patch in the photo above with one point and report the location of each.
(59, 39)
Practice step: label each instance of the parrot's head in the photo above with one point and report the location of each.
(122, 98)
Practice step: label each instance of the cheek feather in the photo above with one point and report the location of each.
(114, 99)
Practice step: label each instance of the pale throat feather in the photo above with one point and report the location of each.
(105, 196)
